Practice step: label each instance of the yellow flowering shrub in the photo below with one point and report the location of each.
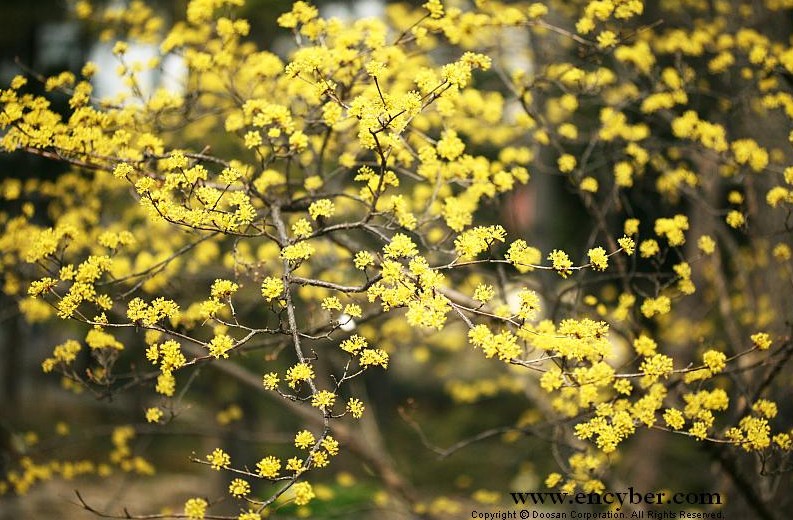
(599, 231)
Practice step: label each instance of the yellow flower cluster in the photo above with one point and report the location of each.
(218, 459)
(268, 467)
(272, 288)
(64, 353)
(299, 372)
(522, 256)
(560, 262)
(503, 345)
(296, 253)
(239, 487)
(672, 229)
(598, 258)
(195, 508)
(656, 306)
(220, 345)
(151, 313)
(304, 493)
(474, 241)
(321, 208)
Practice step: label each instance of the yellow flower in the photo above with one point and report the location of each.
(220, 345)
(352, 310)
(313, 182)
(353, 344)
(331, 445)
(585, 25)
(195, 508)
(529, 304)
(303, 493)
(523, 257)
(657, 365)
(323, 399)
(698, 430)
(714, 360)
(631, 226)
(299, 372)
(301, 228)
(222, 289)
(320, 459)
(560, 262)
(627, 244)
(297, 252)
(219, 459)
(450, 146)
(589, 184)
(355, 407)
(435, 8)
(607, 39)
(269, 467)
(153, 415)
(239, 487)
(484, 293)
(252, 139)
(41, 286)
(321, 208)
(363, 259)
(761, 340)
(735, 219)
(304, 439)
(331, 303)
(476, 240)
(644, 346)
(270, 380)
(755, 432)
(566, 163)
(370, 356)
(672, 229)
(706, 244)
(782, 252)
(375, 68)
(122, 170)
(674, 418)
(648, 248)
(765, 408)
(166, 384)
(272, 288)
(295, 464)
(652, 306)
(400, 246)
(598, 258)
(552, 379)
